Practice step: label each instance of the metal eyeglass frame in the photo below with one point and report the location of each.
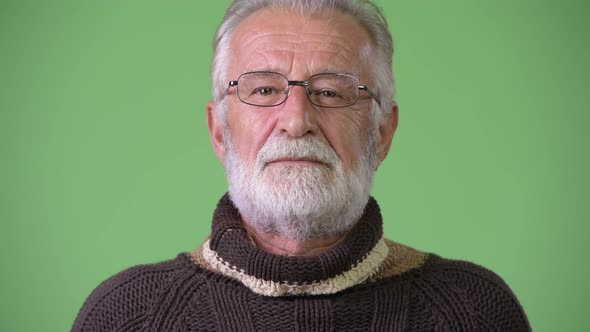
(307, 91)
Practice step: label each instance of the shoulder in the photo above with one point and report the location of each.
(466, 275)
(473, 292)
(127, 297)
(450, 292)
(462, 271)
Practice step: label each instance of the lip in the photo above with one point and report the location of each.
(297, 162)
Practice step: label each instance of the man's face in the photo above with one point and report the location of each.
(298, 47)
(298, 169)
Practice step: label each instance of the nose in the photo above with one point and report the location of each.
(297, 117)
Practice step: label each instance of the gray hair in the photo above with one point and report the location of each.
(367, 14)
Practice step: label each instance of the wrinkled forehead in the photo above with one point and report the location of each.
(293, 43)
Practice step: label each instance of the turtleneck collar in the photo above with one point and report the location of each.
(230, 251)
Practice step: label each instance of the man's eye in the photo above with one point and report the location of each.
(326, 93)
(264, 91)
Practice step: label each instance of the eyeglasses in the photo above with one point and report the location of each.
(266, 89)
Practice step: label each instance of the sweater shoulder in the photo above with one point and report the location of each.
(126, 298)
(462, 271)
(481, 294)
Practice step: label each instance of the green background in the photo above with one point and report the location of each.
(106, 163)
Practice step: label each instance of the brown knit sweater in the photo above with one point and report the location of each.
(366, 283)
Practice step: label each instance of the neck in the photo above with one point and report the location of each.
(283, 246)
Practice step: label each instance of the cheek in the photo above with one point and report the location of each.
(249, 131)
(346, 132)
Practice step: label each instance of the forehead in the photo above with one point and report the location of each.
(292, 43)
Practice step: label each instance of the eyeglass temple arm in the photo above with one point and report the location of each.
(371, 94)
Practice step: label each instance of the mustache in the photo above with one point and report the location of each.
(308, 148)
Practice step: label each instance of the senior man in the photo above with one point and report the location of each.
(303, 116)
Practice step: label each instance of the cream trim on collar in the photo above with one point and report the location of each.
(361, 271)
(399, 260)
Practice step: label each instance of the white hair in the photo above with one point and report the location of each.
(299, 203)
(365, 12)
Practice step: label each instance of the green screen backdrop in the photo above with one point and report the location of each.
(106, 163)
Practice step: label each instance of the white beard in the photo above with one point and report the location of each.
(300, 203)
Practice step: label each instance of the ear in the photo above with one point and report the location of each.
(215, 126)
(387, 128)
